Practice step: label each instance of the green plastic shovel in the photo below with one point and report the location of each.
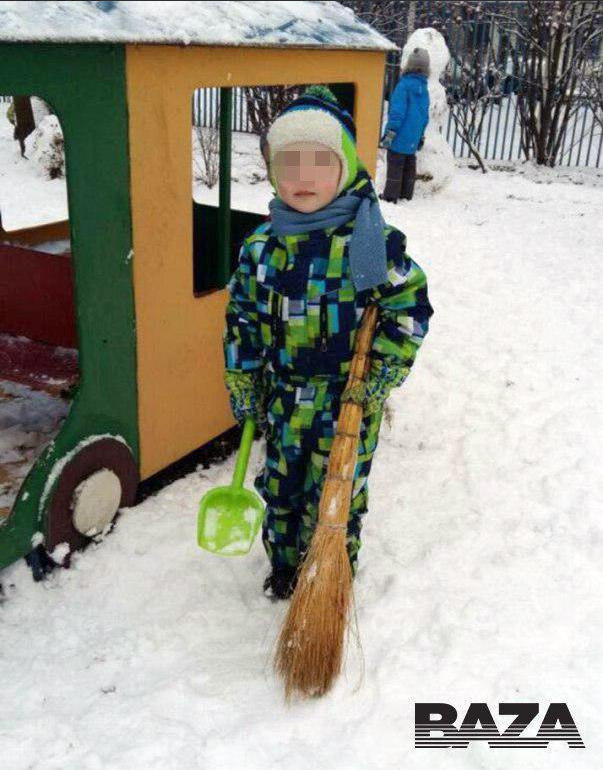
(230, 517)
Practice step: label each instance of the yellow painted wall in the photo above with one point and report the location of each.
(182, 399)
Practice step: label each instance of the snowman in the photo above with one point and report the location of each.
(435, 161)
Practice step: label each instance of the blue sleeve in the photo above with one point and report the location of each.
(398, 105)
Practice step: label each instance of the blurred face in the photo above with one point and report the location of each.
(307, 175)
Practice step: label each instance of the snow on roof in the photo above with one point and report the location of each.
(259, 23)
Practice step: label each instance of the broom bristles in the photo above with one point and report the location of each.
(310, 646)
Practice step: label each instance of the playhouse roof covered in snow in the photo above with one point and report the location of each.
(258, 23)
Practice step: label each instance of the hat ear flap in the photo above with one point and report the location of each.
(272, 178)
(349, 169)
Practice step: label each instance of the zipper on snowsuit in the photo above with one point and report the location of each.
(324, 318)
(276, 325)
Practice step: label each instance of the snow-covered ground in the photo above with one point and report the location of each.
(481, 567)
(29, 420)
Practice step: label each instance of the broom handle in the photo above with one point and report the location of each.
(333, 510)
(363, 344)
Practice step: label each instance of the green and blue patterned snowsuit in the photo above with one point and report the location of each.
(291, 321)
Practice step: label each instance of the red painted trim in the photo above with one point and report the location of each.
(36, 295)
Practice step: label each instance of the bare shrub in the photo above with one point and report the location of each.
(206, 155)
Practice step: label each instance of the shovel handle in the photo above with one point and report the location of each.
(243, 455)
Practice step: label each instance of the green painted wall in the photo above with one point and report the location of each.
(86, 86)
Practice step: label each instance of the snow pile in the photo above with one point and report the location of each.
(49, 147)
(255, 22)
(481, 563)
(39, 108)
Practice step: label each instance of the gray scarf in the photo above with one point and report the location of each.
(368, 259)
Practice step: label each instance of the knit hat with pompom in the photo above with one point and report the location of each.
(317, 116)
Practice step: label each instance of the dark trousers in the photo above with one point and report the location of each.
(401, 175)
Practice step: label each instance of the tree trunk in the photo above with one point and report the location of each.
(24, 120)
(412, 14)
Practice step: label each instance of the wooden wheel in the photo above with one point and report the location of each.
(101, 478)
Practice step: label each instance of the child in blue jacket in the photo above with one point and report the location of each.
(296, 300)
(407, 119)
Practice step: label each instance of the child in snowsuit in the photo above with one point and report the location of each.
(296, 300)
(407, 119)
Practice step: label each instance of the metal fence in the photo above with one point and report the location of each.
(500, 139)
(206, 109)
(473, 43)
(582, 143)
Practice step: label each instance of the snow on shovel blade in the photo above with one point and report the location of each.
(230, 517)
(229, 520)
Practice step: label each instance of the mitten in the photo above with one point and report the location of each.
(387, 140)
(421, 142)
(383, 377)
(246, 397)
(372, 393)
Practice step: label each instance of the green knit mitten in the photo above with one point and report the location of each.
(356, 392)
(372, 393)
(246, 396)
(382, 379)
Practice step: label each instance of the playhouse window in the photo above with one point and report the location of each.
(226, 126)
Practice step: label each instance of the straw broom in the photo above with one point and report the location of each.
(310, 646)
